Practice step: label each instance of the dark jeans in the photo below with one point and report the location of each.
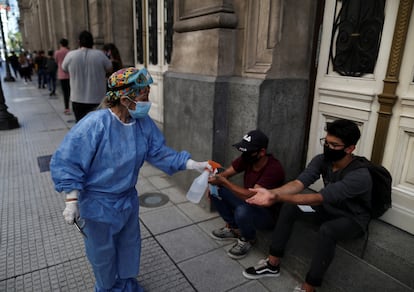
(238, 214)
(41, 78)
(331, 230)
(66, 91)
(51, 81)
(82, 109)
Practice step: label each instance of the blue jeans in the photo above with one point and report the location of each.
(238, 214)
(51, 81)
(42, 78)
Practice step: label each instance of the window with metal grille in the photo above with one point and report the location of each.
(168, 29)
(356, 36)
(140, 32)
(152, 32)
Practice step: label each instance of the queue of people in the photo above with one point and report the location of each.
(88, 86)
(97, 165)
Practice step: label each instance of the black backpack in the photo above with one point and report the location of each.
(381, 184)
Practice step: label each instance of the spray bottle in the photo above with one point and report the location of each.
(200, 184)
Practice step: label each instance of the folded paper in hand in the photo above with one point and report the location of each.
(306, 208)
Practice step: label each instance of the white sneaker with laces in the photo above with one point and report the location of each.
(240, 249)
(225, 233)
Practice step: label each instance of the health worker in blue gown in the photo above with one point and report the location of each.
(97, 167)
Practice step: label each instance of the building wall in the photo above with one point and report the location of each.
(247, 61)
(237, 66)
(44, 22)
(244, 64)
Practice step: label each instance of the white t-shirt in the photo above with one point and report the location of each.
(87, 69)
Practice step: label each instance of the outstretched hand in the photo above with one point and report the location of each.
(263, 197)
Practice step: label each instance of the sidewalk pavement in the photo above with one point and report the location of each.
(40, 252)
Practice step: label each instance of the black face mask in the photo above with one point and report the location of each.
(333, 155)
(250, 158)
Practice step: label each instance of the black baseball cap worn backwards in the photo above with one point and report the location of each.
(252, 141)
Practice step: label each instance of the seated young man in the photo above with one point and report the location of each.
(342, 205)
(260, 170)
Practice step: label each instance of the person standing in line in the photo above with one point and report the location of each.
(97, 167)
(51, 69)
(25, 68)
(14, 62)
(40, 65)
(87, 69)
(62, 75)
(112, 52)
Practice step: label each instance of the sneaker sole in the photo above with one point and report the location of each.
(223, 238)
(236, 257)
(255, 277)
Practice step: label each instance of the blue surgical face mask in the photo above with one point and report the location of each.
(141, 109)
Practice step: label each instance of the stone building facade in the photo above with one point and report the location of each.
(44, 22)
(223, 67)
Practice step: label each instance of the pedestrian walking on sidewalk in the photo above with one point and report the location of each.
(97, 167)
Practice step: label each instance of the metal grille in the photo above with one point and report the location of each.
(168, 29)
(139, 32)
(152, 31)
(356, 34)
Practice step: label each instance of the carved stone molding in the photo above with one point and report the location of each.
(262, 34)
(193, 16)
(191, 9)
(217, 20)
(388, 97)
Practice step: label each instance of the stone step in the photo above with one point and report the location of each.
(387, 264)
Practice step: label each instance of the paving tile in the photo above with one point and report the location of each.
(148, 170)
(175, 194)
(213, 271)
(255, 286)
(160, 181)
(195, 212)
(143, 210)
(145, 186)
(164, 219)
(158, 272)
(40, 252)
(186, 242)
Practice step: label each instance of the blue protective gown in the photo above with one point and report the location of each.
(101, 157)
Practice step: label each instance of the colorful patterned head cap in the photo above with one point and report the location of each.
(127, 82)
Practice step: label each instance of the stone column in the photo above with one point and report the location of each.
(195, 86)
(204, 38)
(238, 66)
